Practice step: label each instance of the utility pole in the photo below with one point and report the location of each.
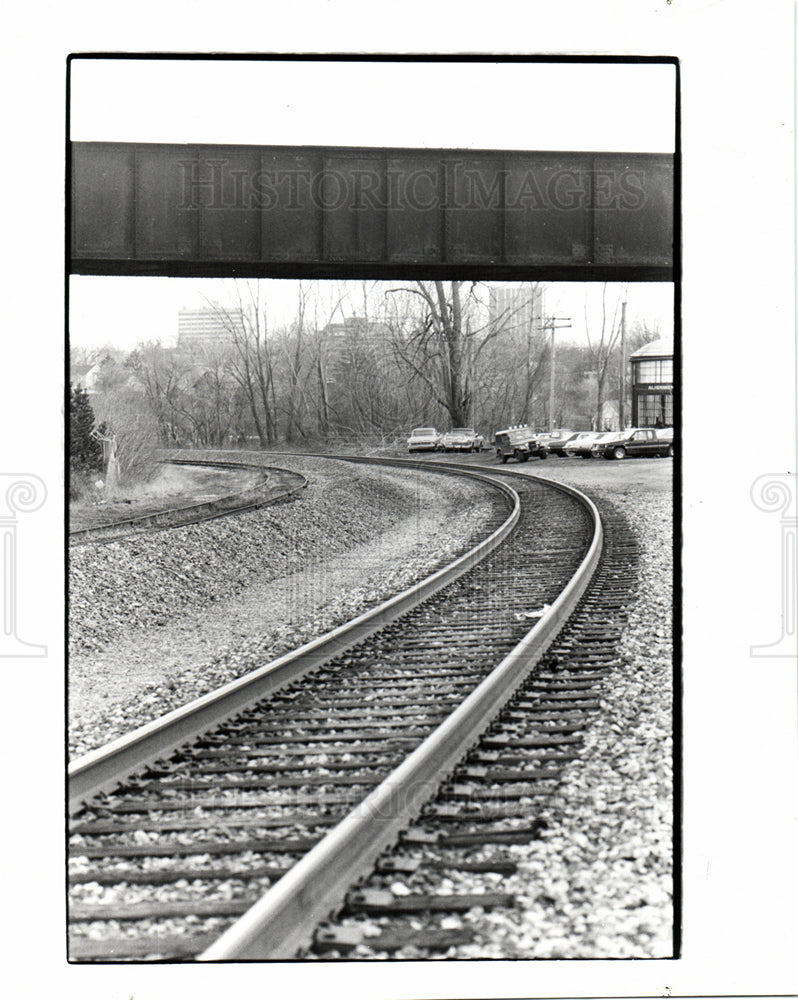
(622, 386)
(554, 323)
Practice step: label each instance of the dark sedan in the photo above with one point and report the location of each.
(636, 442)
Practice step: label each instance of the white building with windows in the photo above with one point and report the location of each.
(652, 384)
(207, 327)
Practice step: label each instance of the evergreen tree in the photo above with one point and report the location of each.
(85, 452)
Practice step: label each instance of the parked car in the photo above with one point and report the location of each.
(636, 442)
(462, 439)
(519, 442)
(580, 444)
(555, 441)
(423, 439)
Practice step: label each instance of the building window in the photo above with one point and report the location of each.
(658, 370)
(655, 409)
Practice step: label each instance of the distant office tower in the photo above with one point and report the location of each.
(197, 328)
(517, 307)
(357, 328)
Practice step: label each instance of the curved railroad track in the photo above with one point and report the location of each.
(233, 827)
(428, 894)
(275, 486)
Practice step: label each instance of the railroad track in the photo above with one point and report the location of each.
(426, 896)
(276, 485)
(234, 827)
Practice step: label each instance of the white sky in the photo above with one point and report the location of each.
(599, 107)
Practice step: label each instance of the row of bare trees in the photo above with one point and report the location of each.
(366, 361)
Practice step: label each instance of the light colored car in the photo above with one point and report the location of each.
(462, 439)
(580, 445)
(555, 441)
(424, 439)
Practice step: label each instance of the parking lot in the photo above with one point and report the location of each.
(633, 474)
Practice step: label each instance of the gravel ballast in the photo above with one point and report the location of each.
(599, 882)
(159, 619)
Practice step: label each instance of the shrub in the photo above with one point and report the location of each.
(85, 452)
(81, 486)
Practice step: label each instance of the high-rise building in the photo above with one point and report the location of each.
(357, 328)
(517, 307)
(206, 327)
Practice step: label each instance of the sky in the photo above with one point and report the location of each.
(124, 311)
(487, 106)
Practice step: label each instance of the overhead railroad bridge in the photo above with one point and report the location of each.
(337, 212)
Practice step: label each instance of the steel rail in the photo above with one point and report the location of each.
(170, 517)
(283, 920)
(102, 769)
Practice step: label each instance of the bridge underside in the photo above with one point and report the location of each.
(328, 212)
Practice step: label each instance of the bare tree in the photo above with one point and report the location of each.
(251, 360)
(160, 374)
(445, 341)
(373, 359)
(642, 332)
(322, 353)
(210, 403)
(435, 348)
(601, 347)
(294, 353)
